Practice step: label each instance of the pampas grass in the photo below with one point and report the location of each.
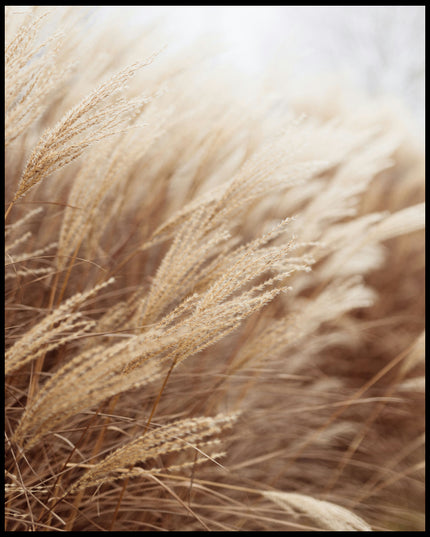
(214, 303)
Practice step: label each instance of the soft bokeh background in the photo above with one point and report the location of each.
(377, 49)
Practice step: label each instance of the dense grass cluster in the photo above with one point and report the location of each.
(214, 293)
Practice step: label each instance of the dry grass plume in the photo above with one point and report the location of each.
(214, 293)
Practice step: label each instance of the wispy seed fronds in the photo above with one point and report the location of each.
(179, 436)
(9, 228)
(31, 73)
(96, 117)
(401, 222)
(326, 515)
(54, 330)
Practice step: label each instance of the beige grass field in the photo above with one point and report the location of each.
(214, 292)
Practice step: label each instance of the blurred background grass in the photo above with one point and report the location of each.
(379, 50)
